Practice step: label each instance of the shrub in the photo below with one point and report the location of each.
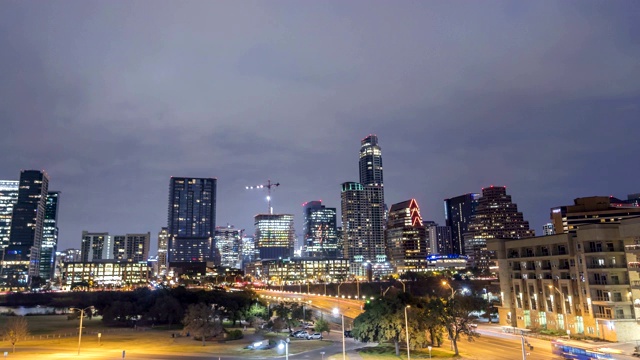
(235, 334)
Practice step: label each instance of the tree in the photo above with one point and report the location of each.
(382, 320)
(17, 329)
(429, 320)
(200, 321)
(456, 317)
(322, 325)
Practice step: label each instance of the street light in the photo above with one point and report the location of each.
(80, 329)
(406, 326)
(344, 352)
(285, 344)
(339, 288)
(444, 283)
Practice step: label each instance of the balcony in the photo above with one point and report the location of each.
(634, 266)
(635, 284)
(609, 282)
(632, 248)
(613, 316)
(608, 266)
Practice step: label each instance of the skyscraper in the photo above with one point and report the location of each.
(406, 237)
(363, 209)
(496, 216)
(27, 224)
(457, 213)
(319, 230)
(275, 236)
(229, 246)
(96, 246)
(548, 229)
(592, 210)
(192, 219)
(49, 236)
(439, 239)
(163, 243)
(8, 199)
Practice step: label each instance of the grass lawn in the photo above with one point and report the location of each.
(386, 351)
(149, 341)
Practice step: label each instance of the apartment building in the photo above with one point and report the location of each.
(587, 282)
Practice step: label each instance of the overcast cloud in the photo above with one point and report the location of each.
(113, 98)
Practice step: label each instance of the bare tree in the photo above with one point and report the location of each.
(17, 329)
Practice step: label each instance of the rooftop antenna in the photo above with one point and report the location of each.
(268, 186)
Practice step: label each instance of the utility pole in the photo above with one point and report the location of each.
(268, 186)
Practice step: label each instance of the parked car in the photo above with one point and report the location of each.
(314, 336)
(302, 335)
(296, 333)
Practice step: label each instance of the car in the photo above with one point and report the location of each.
(314, 336)
(348, 334)
(296, 333)
(302, 335)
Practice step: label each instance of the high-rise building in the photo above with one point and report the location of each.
(248, 250)
(131, 247)
(406, 237)
(22, 257)
(547, 229)
(457, 213)
(363, 211)
(275, 236)
(49, 236)
(192, 219)
(592, 210)
(496, 216)
(163, 243)
(229, 246)
(96, 246)
(319, 230)
(439, 239)
(8, 199)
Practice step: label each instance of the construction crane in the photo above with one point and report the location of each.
(267, 186)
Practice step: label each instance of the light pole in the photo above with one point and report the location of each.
(406, 326)
(444, 283)
(339, 288)
(344, 352)
(285, 344)
(80, 329)
(404, 290)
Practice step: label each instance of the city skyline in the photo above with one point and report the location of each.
(540, 99)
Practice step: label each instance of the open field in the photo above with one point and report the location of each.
(142, 341)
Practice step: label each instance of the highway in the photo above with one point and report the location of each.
(349, 307)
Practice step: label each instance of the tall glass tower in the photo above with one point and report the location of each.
(49, 236)
(192, 219)
(319, 230)
(457, 215)
(27, 223)
(8, 199)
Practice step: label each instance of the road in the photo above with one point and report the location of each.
(349, 307)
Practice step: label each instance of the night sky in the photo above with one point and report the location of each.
(112, 98)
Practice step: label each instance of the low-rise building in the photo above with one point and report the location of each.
(585, 282)
(105, 274)
(300, 270)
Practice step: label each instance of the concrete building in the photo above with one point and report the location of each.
(586, 281)
(592, 210)
(548, 229)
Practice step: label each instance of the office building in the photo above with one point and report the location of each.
(592, 210)
(300, 271)
(106, 274)
(457, 213)
(49, 236)
(406, 237)
(8, 199)
(585, 281)
(22, 256)
(319, 230)
(229, 246)
(547, 229)
(275, 236)
(496, 216)
(192, 219)
(163, 243)
(248, 250)
(66, 256)
(440, 240)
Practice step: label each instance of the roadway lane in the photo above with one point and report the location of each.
(350, 307)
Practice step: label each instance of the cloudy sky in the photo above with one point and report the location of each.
(112, 98)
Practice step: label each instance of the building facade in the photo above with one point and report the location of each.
(548, 229)
(586, 281)
(106, 274)
(457, 213)
(49, 244)
(440, 239)
(163, 243)
(22, 255)
(406, 237)
(192, 219)
(592, 210)
(300, 270)
(8, 199)
(96, 246)
(229, 246)
(496, 216)
(275, 236)
(319, 230)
